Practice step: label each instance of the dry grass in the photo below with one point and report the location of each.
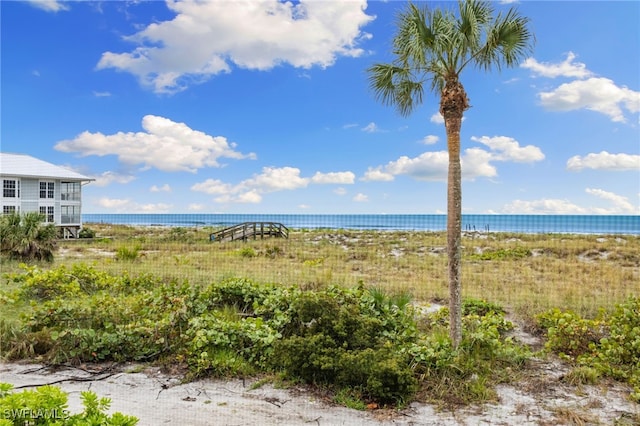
(579, 272)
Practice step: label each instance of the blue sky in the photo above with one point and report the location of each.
(264, 107)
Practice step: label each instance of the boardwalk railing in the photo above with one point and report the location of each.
(251, 230)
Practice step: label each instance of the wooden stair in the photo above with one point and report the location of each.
(251, 230)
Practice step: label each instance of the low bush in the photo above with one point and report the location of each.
(128, 254)
(609, 344)
(87, 233)
(358, 338)
(47, 405)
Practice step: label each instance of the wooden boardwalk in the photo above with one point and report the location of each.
(251, 230)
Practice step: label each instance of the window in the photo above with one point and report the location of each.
(70, 215)
(70, 191)
(47, 211)
(9, 209)
(11, 188)
(46, 189)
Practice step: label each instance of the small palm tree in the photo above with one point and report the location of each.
(26, 237)
(434, 47)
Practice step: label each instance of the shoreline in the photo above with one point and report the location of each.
(465, 232)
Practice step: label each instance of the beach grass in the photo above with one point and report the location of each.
(525, 273)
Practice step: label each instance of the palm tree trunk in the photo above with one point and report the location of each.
(453, 103)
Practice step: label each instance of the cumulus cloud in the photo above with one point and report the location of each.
(163, 188)
(475, 162)
(437, 118)
(430, 139)
(596, 94)
(165, 145)
(377, 175)
(271, 179)
(107, 178)
(508, 149)
(49, 5)
(277, 179)
(617, 204)
(566, 68)
(544, 206)
(604, 161)
(620, 203)
(122, 205)
(208, 38)
(586, 91)
(334, 177)
(361, 198)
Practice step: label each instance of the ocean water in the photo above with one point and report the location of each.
(535, 224)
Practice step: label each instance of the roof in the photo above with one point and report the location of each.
(27, 166)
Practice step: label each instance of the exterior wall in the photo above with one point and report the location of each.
(67, 206)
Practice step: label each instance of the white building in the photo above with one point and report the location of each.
(32, 185)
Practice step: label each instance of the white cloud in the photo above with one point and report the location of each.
(597, 94)
(249, 197)
(276, 179)
(304, 206)
(271, 179)
(377, 175)
(334, 177)
(208, 38)
(212, 186)
(126, 205)
(437, 118)
(604, 161)
(195, 207)
(340, 191)
(475, 162)
(566, 68)
(544, 206)
(430, 139)
(586, 91)
(49, 5)
(107, 178)
(101, 94)
(371, 128)
(508, 149)
(361, 198)
(620, 203)
(165, 145)
(163, 188)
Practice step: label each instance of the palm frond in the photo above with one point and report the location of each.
(395, 85)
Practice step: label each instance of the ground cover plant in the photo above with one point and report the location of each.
(179, 301)
(47, 405)
(354, 339)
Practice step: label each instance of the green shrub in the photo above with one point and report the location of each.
(568, 334)
(87, 233)
(26, 237)
(247, 252)
(610, 345)
(129, 254)
(331, 341)
(501, 254)
(47, 405)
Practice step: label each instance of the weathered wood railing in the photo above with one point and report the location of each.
(251, 230)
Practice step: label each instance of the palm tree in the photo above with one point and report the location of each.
(435, 46)
(26, 237)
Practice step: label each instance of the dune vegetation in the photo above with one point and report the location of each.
(357, 312)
